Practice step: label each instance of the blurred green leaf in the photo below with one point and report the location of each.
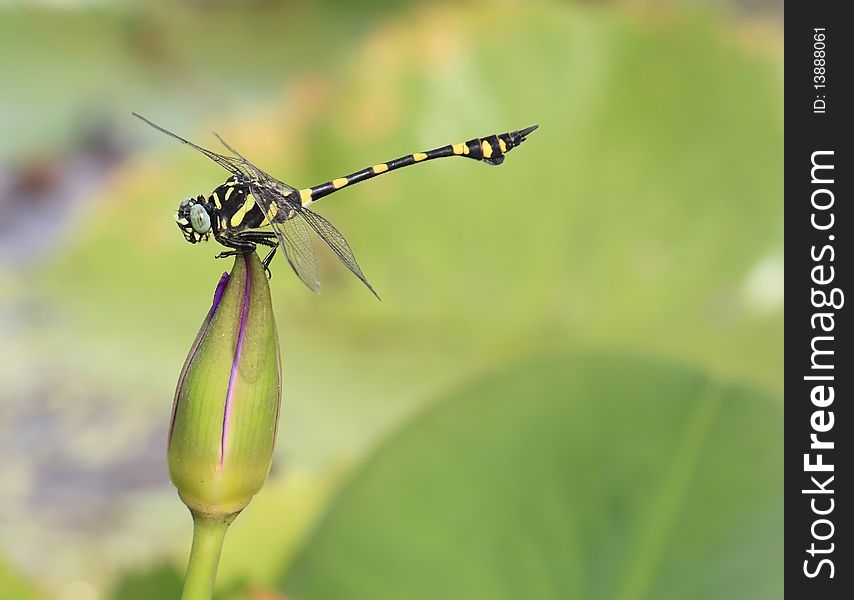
(162, 581)
(567, 478)
(14, 586)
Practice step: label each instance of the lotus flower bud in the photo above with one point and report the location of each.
(226, 409)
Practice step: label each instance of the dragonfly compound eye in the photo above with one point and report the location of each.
(200, 219)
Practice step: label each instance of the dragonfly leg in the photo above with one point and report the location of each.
(265, 238)
(268, 259)
(237, 244)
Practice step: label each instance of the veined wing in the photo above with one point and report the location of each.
(259, 175)
(292, 233)
(289, 223)
(333, 238)
(295, 239)
(237, 165)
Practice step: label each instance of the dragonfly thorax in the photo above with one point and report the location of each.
(194, 219)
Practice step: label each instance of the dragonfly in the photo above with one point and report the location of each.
(252, 208)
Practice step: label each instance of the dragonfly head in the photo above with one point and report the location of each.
(193, 219)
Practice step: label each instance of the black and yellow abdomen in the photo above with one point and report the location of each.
(237, 210)
(490, 149)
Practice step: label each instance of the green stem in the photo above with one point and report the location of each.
(208, 535)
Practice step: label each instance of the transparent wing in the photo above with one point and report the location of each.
(295, 239)
(292, 233)
(258, 174)
(237, 165)
(333, 238)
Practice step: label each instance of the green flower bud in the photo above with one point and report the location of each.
(226, 409)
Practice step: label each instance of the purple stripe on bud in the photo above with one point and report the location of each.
(238, 350)
(220, 290)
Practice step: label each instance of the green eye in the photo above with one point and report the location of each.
(199, 219)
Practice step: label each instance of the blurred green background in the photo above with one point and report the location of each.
(572, 387)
